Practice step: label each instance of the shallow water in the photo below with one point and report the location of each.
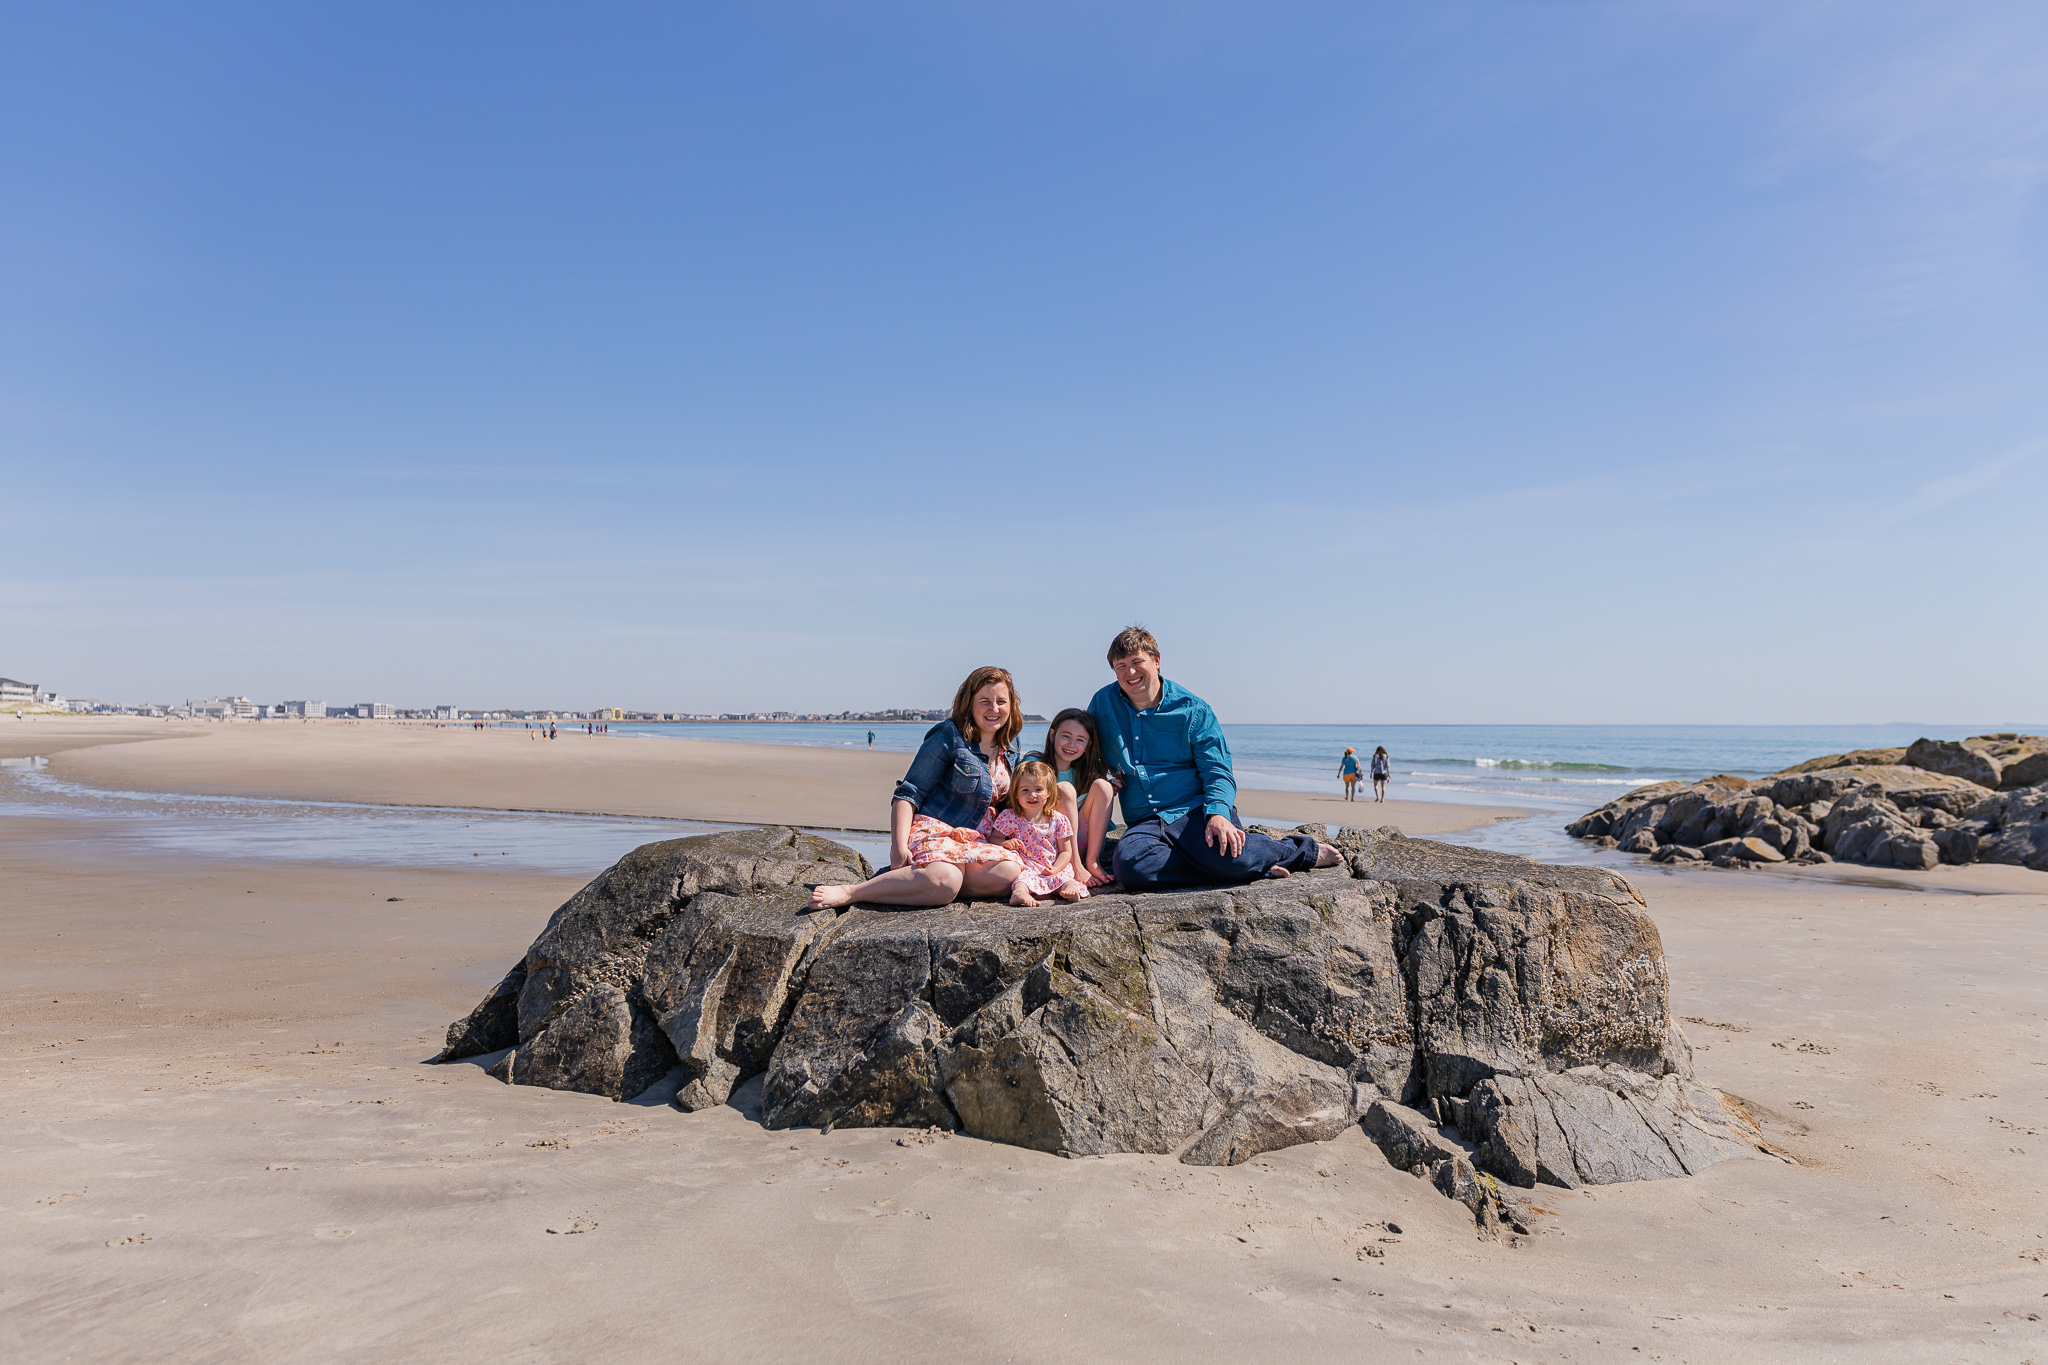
(240, 828)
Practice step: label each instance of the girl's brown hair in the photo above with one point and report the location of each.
(963, 707)
(1031, 767)
(1090, 765)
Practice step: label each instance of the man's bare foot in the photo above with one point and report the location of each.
(830, 897)
(1327, 855)
(1277, 871)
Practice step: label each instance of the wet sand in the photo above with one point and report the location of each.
(220, 1141)
(678, 779)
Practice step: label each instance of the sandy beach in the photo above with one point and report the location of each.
(221, 1141)
(677, 779)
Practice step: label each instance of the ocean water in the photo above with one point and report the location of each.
(1545, 767)
(1554, 771)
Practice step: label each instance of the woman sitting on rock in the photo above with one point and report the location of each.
(935, 853)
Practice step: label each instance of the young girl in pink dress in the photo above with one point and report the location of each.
(1030, 828)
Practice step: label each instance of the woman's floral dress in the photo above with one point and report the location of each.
(932, 841)
(1041, 849)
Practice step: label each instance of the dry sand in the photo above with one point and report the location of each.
(679, 779)
(220, 1143)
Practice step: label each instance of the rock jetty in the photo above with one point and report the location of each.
(1490, 1019)
(1983, 799)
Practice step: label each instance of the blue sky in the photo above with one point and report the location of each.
(1509, 362)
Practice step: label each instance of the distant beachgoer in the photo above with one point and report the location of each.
(1348, 770)
(1382, 768)
(936, 853)
(1087, 792)
(1179, 793)
(871, 739)
(1041, 836)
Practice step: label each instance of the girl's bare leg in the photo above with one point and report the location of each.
(1095, 812)
(937, 884)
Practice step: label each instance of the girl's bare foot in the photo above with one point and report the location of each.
(1071, 890)
(1022, 900)
(831, 897)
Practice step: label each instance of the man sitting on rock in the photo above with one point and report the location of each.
(1179, 794)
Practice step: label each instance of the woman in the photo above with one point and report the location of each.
(935, 855)
(1382, 767)
(1348, 770)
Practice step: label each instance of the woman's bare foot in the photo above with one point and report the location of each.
(1327, 855)
(831, 897)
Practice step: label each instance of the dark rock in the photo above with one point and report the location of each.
(1600, 1125)
(1605, 820)
(491, 1025)
(1867, 829)
(1797, 815)
(1959, 843)
(2021, 833)
(1676, 853)
(1786, 836)
(1408, 1140)
(1748, 850)
(1212, 1024)
(1956, 759)
(1855, 758)
(605, 935)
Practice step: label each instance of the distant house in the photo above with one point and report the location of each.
(374, 710)
(301, 710)
(12, 691)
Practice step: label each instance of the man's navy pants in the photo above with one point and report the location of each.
(1159, 855)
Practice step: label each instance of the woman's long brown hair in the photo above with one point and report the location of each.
(963, 707)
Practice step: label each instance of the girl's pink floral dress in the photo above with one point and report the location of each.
(1041, 848)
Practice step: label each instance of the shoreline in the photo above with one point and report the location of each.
(453, 766)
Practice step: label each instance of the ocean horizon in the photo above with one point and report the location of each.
(1544, 767)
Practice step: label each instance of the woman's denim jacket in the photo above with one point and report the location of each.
(949, 779)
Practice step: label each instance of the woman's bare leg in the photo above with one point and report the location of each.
(937, 884)
(989, 881)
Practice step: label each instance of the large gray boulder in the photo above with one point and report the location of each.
(1212, 1025)
(1877, 814)
(2005, 761)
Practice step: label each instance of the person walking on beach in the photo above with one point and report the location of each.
(1348, 770)
(961, 771)
(871, 739)
(1382, 768)
(1179, 793)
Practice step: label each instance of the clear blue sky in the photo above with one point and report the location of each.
(1415, 363)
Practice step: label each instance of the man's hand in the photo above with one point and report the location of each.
(1224, 837)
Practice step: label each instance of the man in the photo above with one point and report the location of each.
(1179, 793)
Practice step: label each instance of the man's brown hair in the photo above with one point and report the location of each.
(1132, 640)
(963, 707)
